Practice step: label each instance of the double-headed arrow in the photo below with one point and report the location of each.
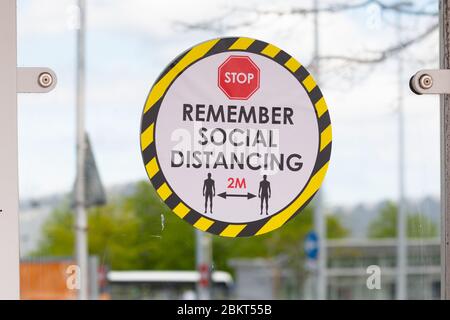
(225, 195)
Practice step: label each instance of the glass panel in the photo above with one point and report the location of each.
(361, 54)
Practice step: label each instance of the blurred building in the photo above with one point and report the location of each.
(54, 279)
(33, 214)
(347, 264)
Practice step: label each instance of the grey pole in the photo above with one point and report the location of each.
(203, 256)
(81, 242)
(445, 152)
(402, 257)
(319, 216)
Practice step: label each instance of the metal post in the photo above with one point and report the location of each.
(93, 278)
(203, 250)
(9, 196)
(81, 219)
(445, 152)
(401, 292)
(319, 217)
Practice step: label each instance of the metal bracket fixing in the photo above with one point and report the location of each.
(35, 80)
(431, 82)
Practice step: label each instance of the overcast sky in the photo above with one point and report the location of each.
(130, 42)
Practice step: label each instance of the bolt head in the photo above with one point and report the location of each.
(45, 79)
(426, 81)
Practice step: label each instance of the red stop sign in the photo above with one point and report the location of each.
(238, 77)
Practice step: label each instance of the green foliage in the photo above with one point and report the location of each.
(335, 230)
(140, 232)
(420, 226)
(385, 225)
(58, 234)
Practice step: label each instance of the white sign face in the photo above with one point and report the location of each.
(236, 137)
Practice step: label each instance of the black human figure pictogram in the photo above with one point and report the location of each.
(209, 191)
(264, 193)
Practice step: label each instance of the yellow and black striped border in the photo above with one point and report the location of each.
(151, 108)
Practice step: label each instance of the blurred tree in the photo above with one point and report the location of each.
(140, 232)
(225, 23)
(385, 225)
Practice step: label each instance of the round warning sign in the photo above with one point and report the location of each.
(236, 136)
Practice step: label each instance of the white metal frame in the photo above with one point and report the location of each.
(13, 80)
